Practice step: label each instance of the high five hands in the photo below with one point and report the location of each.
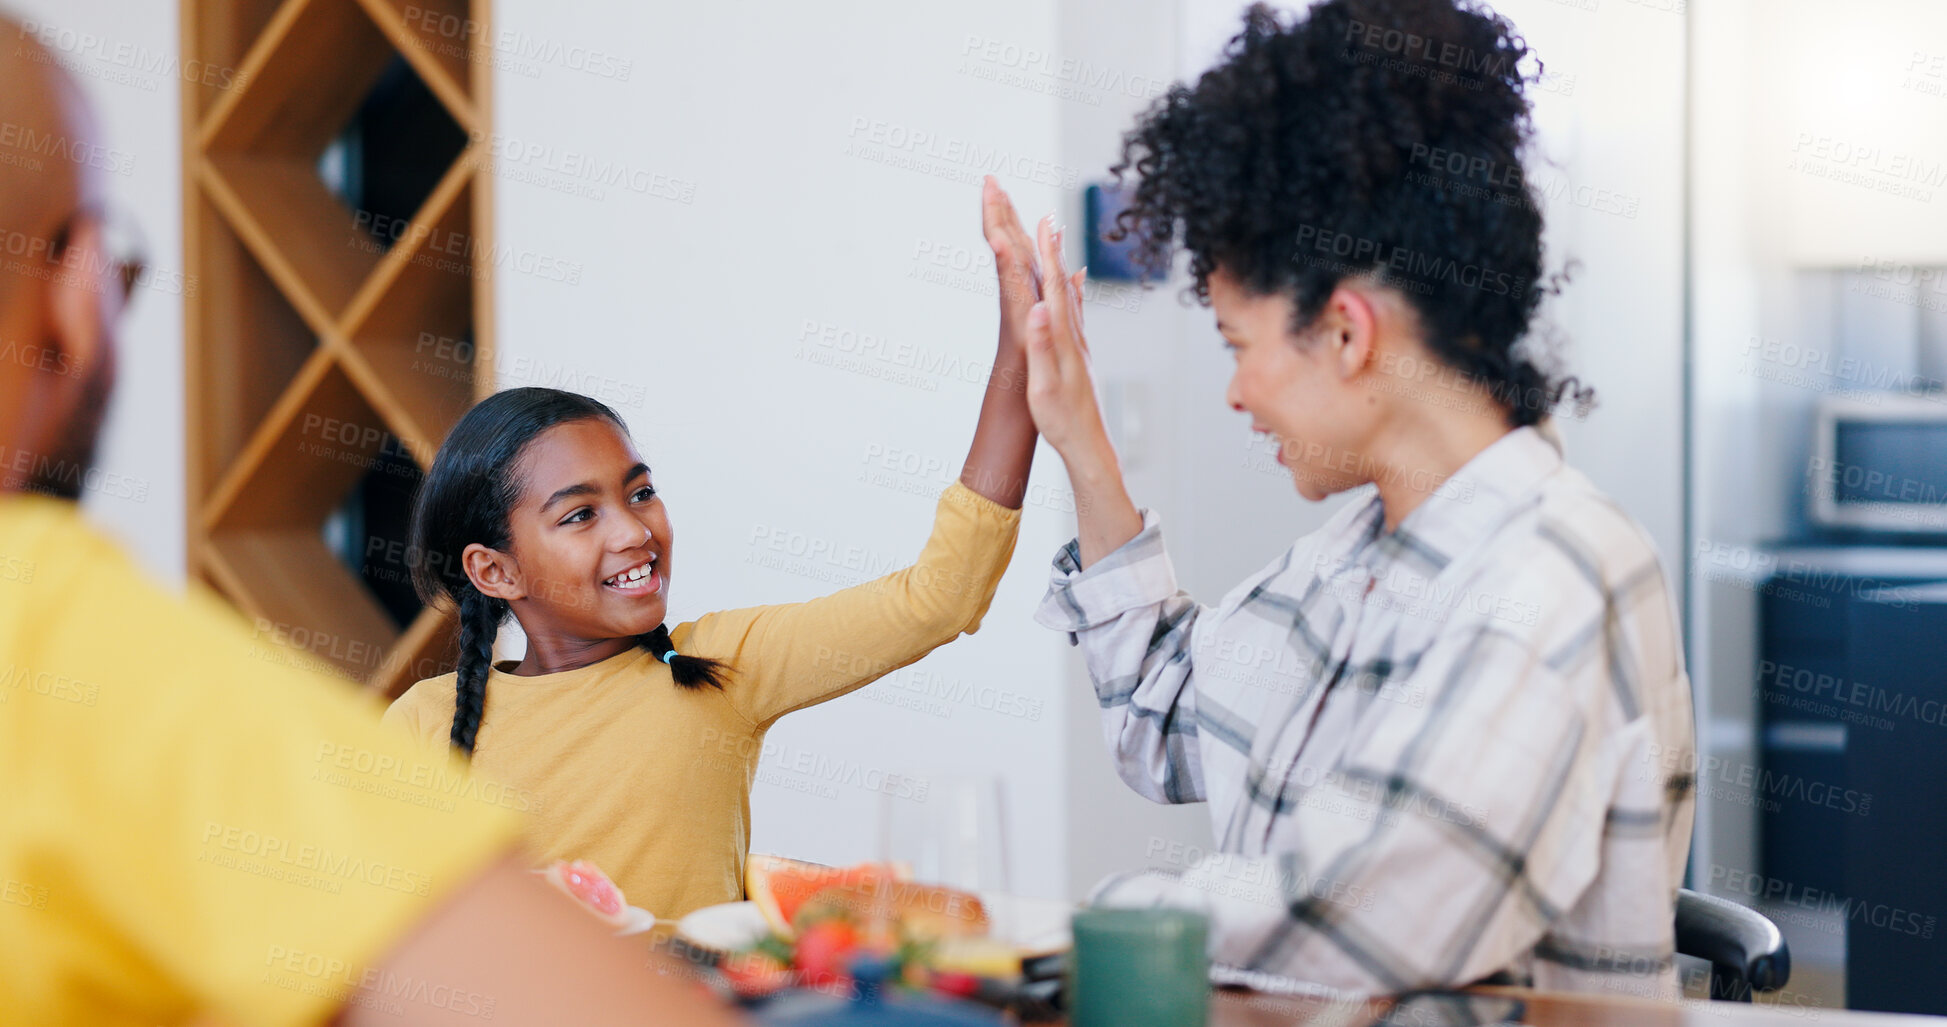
(1002, 454)
(1060, 394)
(1060, 391)
(1015, 263)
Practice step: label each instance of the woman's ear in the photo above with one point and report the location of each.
(1352, 331)
(493, 572)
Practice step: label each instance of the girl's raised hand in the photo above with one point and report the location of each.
(1014, 263)
(1018, 271)
(1002, 453)
(1061, 394)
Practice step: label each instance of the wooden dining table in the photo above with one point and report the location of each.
(1480, 1004)
(1488, 1005)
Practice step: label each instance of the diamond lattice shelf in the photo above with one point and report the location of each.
(252, 333)
(339, 324)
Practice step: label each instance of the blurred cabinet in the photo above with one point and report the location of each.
(338, 244)
(1852, 787)
(1896, 880)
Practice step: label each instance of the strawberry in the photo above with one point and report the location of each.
(825, 951)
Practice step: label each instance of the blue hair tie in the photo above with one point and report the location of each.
(668, 656)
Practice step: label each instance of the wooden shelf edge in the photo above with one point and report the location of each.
(226, 582)
(426, 66)
(264, 438)
(424, 222)
(254, 60)
(405, 422)
(231, 208)
(196, 474)
(334, 607)
(401, 668)
(485, 352)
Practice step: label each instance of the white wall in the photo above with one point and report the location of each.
(123, 56)
(1609, 119)
(1741, 497)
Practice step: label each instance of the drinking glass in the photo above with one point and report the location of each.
(950, 830)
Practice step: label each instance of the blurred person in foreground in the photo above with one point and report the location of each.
(1447, 737)
(188, 829)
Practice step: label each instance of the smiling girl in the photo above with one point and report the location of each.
(632, 743)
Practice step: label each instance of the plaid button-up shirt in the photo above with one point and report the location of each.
(1458, 750)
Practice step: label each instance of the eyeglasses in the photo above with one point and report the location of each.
(121, 241)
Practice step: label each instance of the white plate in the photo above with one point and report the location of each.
(1035, 926)
(639, 921)
(725, 927)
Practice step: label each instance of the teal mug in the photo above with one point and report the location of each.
(1139, 968)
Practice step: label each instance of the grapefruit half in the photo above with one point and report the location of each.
(781, 886)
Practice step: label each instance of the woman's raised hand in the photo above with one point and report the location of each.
(1061, 395)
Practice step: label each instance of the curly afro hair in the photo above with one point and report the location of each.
(1370, 137)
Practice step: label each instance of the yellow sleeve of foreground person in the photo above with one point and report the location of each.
(787, 657)
(191, 825)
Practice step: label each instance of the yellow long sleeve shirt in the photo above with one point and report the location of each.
(190, 825)
(615, 763)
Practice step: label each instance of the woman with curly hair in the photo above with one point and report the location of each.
(1447, 737)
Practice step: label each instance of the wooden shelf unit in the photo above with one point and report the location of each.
(316, 345)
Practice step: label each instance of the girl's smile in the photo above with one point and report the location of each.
(639, 580)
